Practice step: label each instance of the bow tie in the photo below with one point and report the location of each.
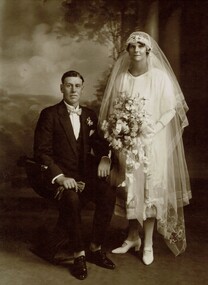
(74, 111)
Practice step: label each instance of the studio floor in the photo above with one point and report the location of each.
(24, 214)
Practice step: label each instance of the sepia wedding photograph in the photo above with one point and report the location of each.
(103, 142)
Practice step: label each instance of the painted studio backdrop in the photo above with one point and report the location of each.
(41, 39)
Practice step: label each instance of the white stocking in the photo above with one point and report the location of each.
(133, 232)
(148, 232)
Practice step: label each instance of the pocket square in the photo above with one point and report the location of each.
(91, 133)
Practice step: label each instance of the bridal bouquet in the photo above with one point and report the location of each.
(127, 128)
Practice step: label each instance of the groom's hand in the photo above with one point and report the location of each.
(67, 182)
(104, 166)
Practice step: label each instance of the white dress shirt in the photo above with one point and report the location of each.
(75, 119)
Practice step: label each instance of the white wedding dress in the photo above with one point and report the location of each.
(159, 192)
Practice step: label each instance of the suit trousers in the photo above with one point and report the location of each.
(71, 203)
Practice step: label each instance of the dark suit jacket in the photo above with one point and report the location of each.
(55, 143)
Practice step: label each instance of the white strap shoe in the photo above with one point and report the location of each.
(148, 256)
(127, 244)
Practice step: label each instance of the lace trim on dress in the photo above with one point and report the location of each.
(170, 223)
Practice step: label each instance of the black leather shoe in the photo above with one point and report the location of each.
(99, 258)
(79, 268)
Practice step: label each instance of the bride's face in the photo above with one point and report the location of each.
(138, 51)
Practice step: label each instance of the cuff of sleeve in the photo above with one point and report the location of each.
(53, 180)
(167, 117)
(110, 154)
(105, 156)
(158, 126)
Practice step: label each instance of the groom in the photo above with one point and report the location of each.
(67, 142)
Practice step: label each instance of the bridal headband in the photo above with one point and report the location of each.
(140, 37)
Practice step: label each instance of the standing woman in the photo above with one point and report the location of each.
(142, 71)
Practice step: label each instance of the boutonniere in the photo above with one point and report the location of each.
(89, 121)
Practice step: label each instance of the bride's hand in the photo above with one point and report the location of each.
(147, 130)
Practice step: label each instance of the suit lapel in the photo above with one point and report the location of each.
(66, 124)
(84, 128)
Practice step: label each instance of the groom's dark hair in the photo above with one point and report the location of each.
(72, 73)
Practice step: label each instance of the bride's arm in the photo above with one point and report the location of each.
(164, 120)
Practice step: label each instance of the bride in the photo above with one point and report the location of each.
(142, 70)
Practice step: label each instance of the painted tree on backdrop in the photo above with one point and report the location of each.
(106, 22)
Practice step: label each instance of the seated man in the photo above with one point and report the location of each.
(65, 136)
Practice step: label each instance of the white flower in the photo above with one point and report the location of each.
(89, 121)
(135, 151)
(104, 125)
(127, 106)
(118, 127)
(116, 144)
(125, 127)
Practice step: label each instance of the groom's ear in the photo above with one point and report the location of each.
(61, 87)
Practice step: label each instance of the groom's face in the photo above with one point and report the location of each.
(72, 90)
